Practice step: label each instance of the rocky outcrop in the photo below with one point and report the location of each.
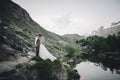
(33, 70)
(114, 29)
(9, 8)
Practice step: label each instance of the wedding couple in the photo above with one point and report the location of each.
(41, 50)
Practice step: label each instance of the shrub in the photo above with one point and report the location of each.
(46, 68)
(73, 75)
(71, 50)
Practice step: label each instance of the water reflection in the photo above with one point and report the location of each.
(110, 62)
(93, 71)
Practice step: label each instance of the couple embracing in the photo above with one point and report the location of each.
(41, 50)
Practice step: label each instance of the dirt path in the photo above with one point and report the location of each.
(11, 65)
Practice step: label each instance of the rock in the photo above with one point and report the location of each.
(5, 68)
(19, 65)
(7, 47)
(31, 53)
(32, 62)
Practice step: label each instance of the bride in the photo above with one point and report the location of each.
(43, 52)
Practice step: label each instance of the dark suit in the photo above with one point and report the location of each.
(37, 46)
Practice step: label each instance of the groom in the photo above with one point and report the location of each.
(37, 44)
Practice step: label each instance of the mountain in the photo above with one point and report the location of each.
(114, 29)
(18, 30)
(72, 37)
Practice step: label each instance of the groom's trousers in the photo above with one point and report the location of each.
(37, 51)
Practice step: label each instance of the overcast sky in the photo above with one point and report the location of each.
(72, 16)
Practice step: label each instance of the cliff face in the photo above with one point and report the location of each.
(8, 8)
(13, 21)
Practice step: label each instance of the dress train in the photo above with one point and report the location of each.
(45, 54)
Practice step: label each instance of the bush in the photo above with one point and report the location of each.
(71, 51)
(101, 44)
(46, 68)
(73, 75)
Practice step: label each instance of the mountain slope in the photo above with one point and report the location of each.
(72, 37)
(18, 30)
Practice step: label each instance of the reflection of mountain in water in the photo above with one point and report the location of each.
(105, 62)
(93, 71)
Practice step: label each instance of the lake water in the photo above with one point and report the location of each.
(91, 71)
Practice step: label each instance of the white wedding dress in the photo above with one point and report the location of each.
(45, 54)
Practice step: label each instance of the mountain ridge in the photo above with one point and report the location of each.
(72, 37)
(113, 29)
